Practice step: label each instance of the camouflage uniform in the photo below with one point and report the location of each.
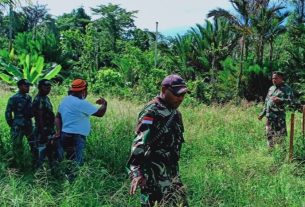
(155, 154)
(18, 116)
(275, 113)
(43, 131)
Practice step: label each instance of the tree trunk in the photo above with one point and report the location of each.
(10, 33)
(271, 51)
(239, 89)
(213, 79)
(260, 54)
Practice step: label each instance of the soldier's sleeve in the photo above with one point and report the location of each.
(263, 112)
(293, 103)
(37, 109)
(288, 97)
(145, 126)
(30, 107)
(9, 112)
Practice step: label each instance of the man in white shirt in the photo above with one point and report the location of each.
(73, 120)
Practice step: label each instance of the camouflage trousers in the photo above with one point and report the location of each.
(165, 193)
(46, 148)
(17, 134)
(276, 131)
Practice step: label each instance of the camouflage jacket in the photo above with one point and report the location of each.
(156, 148)
(43, 113)
(19, 110)
(271, 109)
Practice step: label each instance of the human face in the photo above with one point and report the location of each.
(171, 99)
(277, 80)
(84, 94)
(44, 90)
(25, 88)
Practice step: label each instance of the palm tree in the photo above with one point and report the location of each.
(182, 54)
(11, 4)
(241, 25)
(267, 24)
(213, 43)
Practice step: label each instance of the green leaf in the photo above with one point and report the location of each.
(12, 54)
(26, 67)
(5, 78)
(11, 69)
(39, 65)
(36, 78)
(53, 72)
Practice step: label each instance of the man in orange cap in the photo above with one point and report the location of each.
(72, 120)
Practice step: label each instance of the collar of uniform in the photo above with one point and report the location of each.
(163, 103)
(280, 85)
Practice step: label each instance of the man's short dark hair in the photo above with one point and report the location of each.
(23, 82)
(44, 82)
(279, 73)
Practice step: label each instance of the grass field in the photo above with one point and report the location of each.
(224, 162)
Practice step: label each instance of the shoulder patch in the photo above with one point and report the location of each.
(147, 120)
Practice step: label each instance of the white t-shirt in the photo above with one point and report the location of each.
(75, 114)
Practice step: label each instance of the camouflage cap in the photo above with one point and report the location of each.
(44, 82)
(24, 82)
(176, 83)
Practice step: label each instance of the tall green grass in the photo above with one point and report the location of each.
(224, 162)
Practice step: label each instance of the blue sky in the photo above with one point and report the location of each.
(174, 16)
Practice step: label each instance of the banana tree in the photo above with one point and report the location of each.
(33, 68)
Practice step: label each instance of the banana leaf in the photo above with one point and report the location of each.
(11, 69)
(6, 78)
(53, 72)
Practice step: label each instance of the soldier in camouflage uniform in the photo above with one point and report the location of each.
(44, 124)
(279, 95)
(153, 164)
(18, 116)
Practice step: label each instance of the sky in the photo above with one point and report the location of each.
(173, 16)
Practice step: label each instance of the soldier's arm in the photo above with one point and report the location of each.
(58, 124)
(9, 112)
(39, 115)
(263, 112)
(139, 146)
(288, 98)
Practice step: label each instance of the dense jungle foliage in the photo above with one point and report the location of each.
(230, 56)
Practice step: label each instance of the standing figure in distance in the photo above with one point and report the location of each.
(44, 124)
(279, 96)
(153, 163)
(18, 116)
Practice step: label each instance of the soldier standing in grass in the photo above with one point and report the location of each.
(18, 116)
(72, 120)
(279, 95)
(153, 164)
(44, 124)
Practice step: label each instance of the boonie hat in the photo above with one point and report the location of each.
(176, 83)
(78, 85)
(24, 82)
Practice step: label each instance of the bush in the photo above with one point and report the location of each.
(149, 86)
(108, 81)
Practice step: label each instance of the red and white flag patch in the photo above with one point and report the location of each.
(147, 120)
